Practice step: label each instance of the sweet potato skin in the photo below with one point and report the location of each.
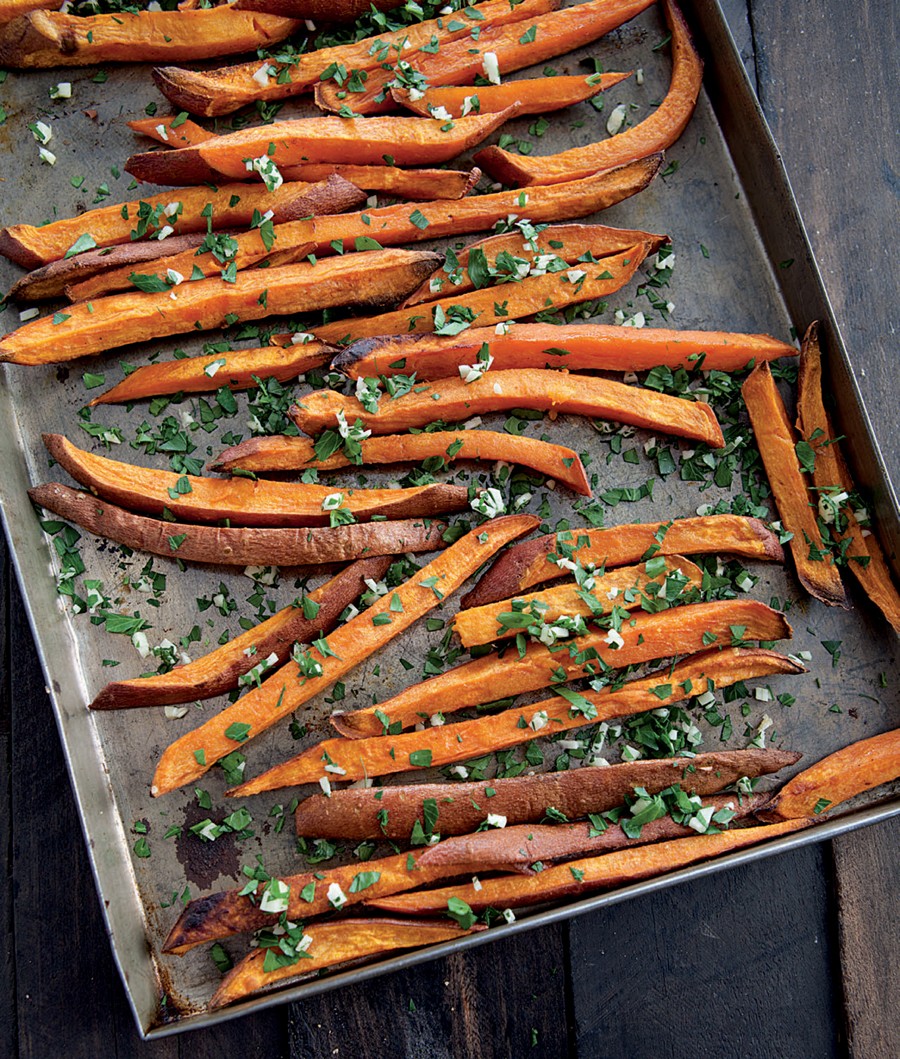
(281, 693)
(530, 564)
(522, 845)
(334, 943)
(219, 671)
(416, 184)
(290, 453)
(242, 546)
(524, 799)
(237, 369)
(849, 771)
(587, 346)
(44, 39)
(655, 133)
(242, 501)
(865, 558)
(775, 438)
(680, 630)
(122, 319)
(603, 872)
(465, 740)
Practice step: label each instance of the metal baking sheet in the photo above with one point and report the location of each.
(725, 190)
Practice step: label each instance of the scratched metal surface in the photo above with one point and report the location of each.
(739, 286)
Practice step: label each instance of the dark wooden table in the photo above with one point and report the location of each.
(793, 956)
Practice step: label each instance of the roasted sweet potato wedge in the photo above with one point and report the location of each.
(776, 440)
(173, 131)
(416, 184)
(552, 391)
(242, 501)
(392, 812)
(581, 877)
(655, 133)
(360, 141)
(461, 62)
(625, 587)
(571, 243)
(220, 91)
(243, 545)
(220, 915)
(10, 9)
(318, 10)
(121, 319)
(221, 670)
(467, 740)
(228, 206)
(238, 369)
(534, 294)
(517, 848)
(646, 636)
(284, 453)
(536, 96)
(831, 476)
(54, 279)
(189, 757)
(585, 346)
(331, 944)
(534, 561)
(44, 39)
(849, 771)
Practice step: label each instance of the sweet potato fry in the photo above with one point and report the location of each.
(241, 546)
(516, 848)
(416, 184)
(534, 294)
(391, 225)
(460, 62)
(655, 133)
(849, 771)
(189, 757)
(776, 441)
(585, 346)
(466, 740)
(534, 561)
(318, 10)
(237, 369)
(571, 243)
(220, 91)
(44, 39)
(361, 141)
(830, 474)
(392, 812)
(581, 877)
(453, 400)
(220, 670)
(172, 132)
(625, 587)
(220, 915)
(10, 9)
(283, 453)
(31, 246)
(242, 501)
(65, 274)
(536, 96)
(121, 319)
(333, 943)
(680, 630)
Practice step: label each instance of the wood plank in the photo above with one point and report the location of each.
(867, 865)
(743, 957)
(7, 954)
(507, 998)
